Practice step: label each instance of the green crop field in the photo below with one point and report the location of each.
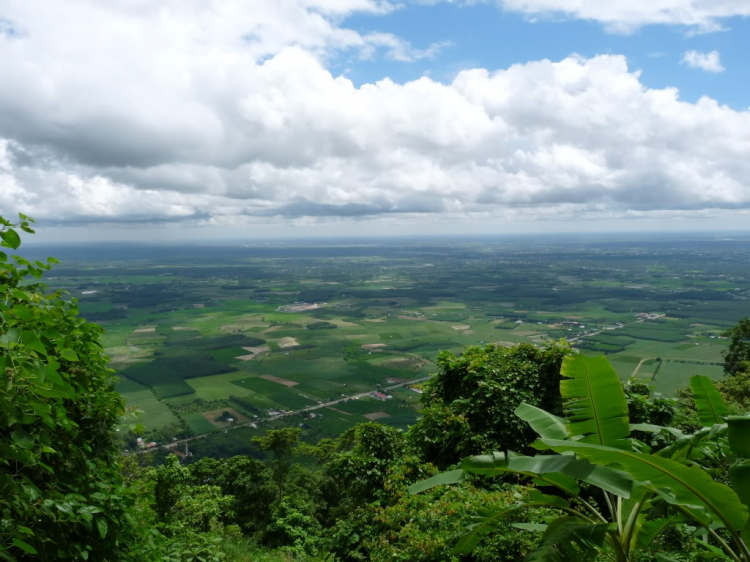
(332, 321)
(672, 375)
(199, 424)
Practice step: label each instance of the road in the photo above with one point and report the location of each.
(176, 444)
(589, 334)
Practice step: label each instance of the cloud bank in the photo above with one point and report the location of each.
(625, 16)
(205, 112)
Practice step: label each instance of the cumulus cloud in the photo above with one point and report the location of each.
(710, 62)
(624, 16)
(206, 112)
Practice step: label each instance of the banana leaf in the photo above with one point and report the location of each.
(594, 402)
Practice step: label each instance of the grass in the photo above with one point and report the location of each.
(673, 376)
(198, 424)
(155, 414)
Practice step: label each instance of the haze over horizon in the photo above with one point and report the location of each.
(187, 119)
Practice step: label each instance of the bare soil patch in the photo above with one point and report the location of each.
(404, 363)
(376, 319)
(145, 329)
(181, 328)
(344, 323)
(460, 327)
(298, 307)
(288, 342)
(271, 329)
(274, 378)
(420, 318)
(213, 414)
(374, 345)
(256, 350)
(376, 416)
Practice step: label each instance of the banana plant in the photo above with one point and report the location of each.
(631, 495)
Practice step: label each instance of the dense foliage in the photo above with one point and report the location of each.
(647, 477)
(61, 491)
(469, 403)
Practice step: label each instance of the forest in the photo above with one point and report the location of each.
(535, 450)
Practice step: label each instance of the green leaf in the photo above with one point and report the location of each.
(68, 354)
(594, 402)
(85, 554)
(26, 547)
(3, 257)
(676, 483)
(31, 340)
(542, 466)
(10, 239)
(651, 428)
(570, 538)
(649, 530)
(739, 435)
(22, 439)
(101, 525)
(708, 401)
(545, 424)
(444, 478)
(486, 522)
(739, 477)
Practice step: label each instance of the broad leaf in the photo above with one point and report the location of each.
(487, 520)
(570, 538)
(68, 354)
(442, 479)
(676, 483)
(647, 531)
(549, 467)
(708, 401)
(595, 402)
(10, 239)
(545, 424)
(739, 435)
(651, 428)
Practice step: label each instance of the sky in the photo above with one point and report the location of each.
(207, 119)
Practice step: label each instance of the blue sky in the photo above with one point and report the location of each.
(484, 36)
(224, 118)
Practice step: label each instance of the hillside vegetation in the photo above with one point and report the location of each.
(522, 452)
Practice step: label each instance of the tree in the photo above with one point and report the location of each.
(469, 403)
(737, 357)
(62, 495)
(282, 443)
(638, 493)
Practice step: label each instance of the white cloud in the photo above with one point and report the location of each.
(627, 15)
(710, 62)
(205, 112)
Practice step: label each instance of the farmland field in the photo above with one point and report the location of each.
(280, 326)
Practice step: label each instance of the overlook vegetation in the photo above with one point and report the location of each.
(530, 451)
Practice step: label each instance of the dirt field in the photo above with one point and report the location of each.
(404, 363)
(213, 414)
(374, 345)
(145, 329)
(279, 380)
(288, 342)
(460, 327)
(298, 307)
(376, 416)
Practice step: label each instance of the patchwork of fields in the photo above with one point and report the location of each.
(278, 328)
